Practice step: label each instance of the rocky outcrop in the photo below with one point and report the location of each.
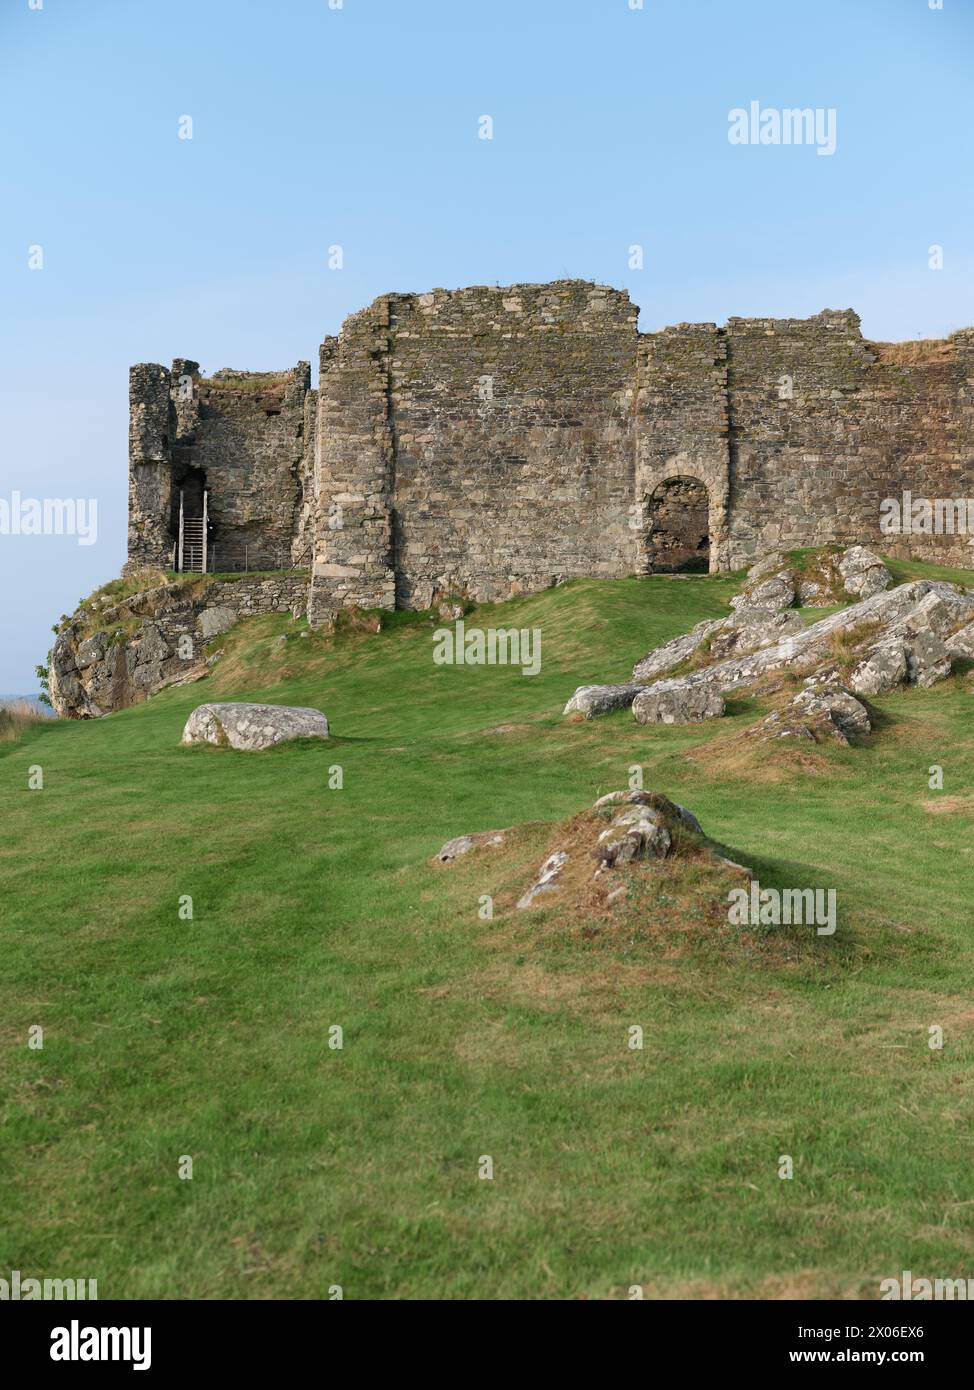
(883, 669)
(250, 727)
(827, 699)
(824, 710)
(642, 825)
(897, 611)
(115, 653)
(907, 635)
(829, 577)
(623, 828)
(746, 629)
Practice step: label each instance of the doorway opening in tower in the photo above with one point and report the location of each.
(190, 526)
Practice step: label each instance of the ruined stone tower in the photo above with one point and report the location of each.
(490, 441)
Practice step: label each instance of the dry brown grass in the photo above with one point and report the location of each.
(914, 353)
(734, 754)
(16, 718)
(948, 805)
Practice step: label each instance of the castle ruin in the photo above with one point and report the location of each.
(491, 441)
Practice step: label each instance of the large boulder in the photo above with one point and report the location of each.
(863, 573)
(772, 594)
(677, 702)
(237, 724)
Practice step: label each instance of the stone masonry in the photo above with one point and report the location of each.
(489, 441)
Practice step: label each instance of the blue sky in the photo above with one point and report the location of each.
(358, 126)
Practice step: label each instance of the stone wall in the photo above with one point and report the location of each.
(479, 442)
(681, 424)
(825, 425)
(247, 437)
(487, 441)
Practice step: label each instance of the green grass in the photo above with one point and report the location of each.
(463, 1037)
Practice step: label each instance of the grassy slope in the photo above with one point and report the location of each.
(316, 907)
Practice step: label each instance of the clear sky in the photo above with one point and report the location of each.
(358, 126)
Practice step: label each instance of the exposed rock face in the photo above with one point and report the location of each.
(883, 669)
(961, 643)
(828, 700)
(746, 629)
(670, 654)
(882, 610)
(674, 702)
(547, 880)
(116, 666)
(249, 727)
(463, 844)
(750, 629)
(643, 826)
(857, 572)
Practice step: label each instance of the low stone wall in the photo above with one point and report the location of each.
(279, 593)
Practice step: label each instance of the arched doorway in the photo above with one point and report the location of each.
(678, 528)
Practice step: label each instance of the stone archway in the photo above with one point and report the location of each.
(678, 527)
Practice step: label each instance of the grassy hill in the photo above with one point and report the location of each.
(315, 907)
